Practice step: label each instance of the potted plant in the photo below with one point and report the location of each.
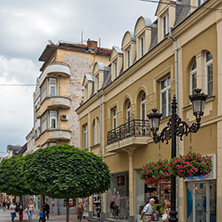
(156, 171)
(191, 164)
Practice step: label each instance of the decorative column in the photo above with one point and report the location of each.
(131, 183)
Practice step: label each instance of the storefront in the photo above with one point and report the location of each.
(118, 197)
(160, 191)
(201, 197)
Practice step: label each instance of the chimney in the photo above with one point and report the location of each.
(91, 44)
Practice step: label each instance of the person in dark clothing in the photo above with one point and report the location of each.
(47, 209)
(20, 212)
(4, 205)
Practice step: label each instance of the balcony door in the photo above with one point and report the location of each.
(201, 201)
(143, 113)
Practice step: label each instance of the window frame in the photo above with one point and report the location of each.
(208, 64)
(128, 58)
(52, 86)
(193, 73)
(85, 137)
(142, 46)
(97, 82)
(115, 70)
(114, 118)
(165, 24)
(167, 90)
(51, 118)
(86, 93)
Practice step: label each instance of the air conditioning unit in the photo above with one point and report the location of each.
(64, 117)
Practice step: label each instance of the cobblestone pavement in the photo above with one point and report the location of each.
(5, 216)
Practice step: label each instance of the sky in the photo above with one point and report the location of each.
(25, 28)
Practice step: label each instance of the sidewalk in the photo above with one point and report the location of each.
(5, 216)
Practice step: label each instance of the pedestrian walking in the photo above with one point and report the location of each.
(80, 210)
(17, 205)
(4, 205)
(8, 205)
(147, 212)
(20, 212)
(47, 209)
(13, 208)
(40, 215)
(31, 210)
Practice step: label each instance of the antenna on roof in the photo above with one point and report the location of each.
(81, 37)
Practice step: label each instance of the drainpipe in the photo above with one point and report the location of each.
(101, 148)
(176, 93)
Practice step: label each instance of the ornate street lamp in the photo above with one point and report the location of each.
(177, 127)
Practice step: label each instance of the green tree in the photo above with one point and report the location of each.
(65, 171)
(12, 177)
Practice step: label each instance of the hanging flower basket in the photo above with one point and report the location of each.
(191, 164)
(155, 171)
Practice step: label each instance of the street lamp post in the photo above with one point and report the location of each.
(177, 127)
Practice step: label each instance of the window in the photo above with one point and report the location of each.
(86, 93)
(165, 25)
(128, 111)
(143, 113)
(209, 73)
(97, 82)
(200, 2)
(85, 136)
(115, 69)
(44, 123)
(142, 46)
(165, 97)
(193, 78)
(128, 116)
(95, 131)
(52, 86)
(114, 115)
(53, 119)
(43, 90)
(128, 58)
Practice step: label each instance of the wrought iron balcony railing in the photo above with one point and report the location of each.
(132, 128)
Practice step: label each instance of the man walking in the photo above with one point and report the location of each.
(147, 211)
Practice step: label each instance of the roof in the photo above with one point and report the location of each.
(118, 50)
(87, 77)
(89, 48)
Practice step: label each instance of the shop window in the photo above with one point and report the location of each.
(118, 197)
(96, 205)
(209, 72)
(85, 137)
(193, 78)
(165, 97)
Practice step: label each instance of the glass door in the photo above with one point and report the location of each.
(201, 201)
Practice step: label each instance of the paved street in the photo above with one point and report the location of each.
(5, 216)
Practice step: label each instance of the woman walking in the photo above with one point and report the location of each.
(31, 209)
(80, 210)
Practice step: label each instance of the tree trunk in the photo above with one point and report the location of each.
(67, 209)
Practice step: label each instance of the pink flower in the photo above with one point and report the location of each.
(144, 168)
(180, 161)
(201, 158)
(147, 177)
(154, 176)
(148, 172)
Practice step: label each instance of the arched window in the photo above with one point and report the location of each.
(96, 131)
(143, 113)
(209, 73)
(128, 111)
(193, 77)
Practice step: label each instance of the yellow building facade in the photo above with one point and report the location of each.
(174, 55)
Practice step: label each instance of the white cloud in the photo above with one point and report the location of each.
(25, 28)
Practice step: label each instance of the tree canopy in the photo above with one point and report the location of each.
(12, 178)
(63, 171)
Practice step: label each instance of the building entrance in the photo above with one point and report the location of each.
(201, 201)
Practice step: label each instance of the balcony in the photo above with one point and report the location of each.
(59, 134)
(54, 69)
(52, 102)
(58, 101)
(131, 134)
